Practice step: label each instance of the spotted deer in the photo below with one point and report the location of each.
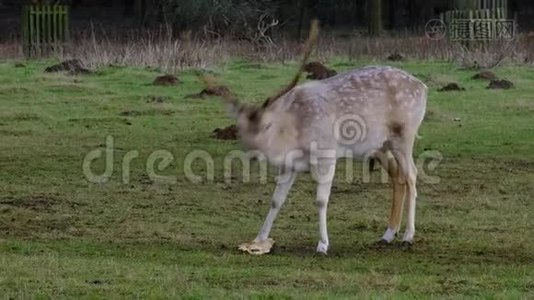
(369, 113)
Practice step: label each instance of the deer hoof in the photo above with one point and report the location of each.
(381, 244)
(257, 247)
(406, 245)
(322, 248)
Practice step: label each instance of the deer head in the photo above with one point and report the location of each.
(253, 120)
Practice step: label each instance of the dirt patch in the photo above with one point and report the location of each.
(485, 75)
(20, 65)
(227, 133)
(429, 115)
(423, 77)
(97, 282)
(156, 99)
(520, 164)
(99, 122)
(15, 132)
(18, 117)
(144, 179)
(15, 90)
(451, 87)
(395, 57)
(251, 66)
(502, 84)
(73, 66)
(149, 112)
(318, 71)
(130, 113)
(219, 90)
(166, 80)
(38, 202)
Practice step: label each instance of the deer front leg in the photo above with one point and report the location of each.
(324, 175)
(262, 243)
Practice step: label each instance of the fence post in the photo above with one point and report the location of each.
(44, 28)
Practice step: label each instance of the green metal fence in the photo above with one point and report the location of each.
(45, 29)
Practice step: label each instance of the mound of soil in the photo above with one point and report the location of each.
(73, 66)
(395, 57)
(500, 84)
(318, 71)
(485, 75)
(219, 90)
(423, 77)
(451, 87)
(228, 133)
(166, 80)
(130, 113)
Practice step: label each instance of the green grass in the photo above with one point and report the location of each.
(63, 236)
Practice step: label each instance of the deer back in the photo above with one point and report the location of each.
(356, 111)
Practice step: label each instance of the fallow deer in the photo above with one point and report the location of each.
(306, 127)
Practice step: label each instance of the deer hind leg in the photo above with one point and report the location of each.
(398, 185)
(408, 176)
(411, 196)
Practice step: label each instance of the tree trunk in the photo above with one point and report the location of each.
(391, 8)
(375, 17)
(361, 11)
(303, 6)
(138, 11)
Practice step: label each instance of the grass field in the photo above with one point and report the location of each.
(63, 236)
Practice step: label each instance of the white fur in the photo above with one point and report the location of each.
(389, 102)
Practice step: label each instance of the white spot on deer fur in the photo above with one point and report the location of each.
(399, 96)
